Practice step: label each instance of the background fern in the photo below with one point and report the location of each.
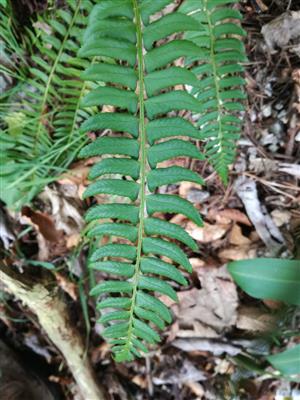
(219, 89)
(47, 139)
(139, 87)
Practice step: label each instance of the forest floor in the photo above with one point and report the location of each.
(216, 345)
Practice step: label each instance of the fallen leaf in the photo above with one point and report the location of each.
(187, 373)
(281, 217)
(237, 253)
(215, 347)
(206, 234)
(206, 312)
(73, 240)
(236, 236)
(254, 319)
(66, 285)
(44, 223)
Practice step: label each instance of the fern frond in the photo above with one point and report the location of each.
(220, 86)
(50, 139)
(140, 87)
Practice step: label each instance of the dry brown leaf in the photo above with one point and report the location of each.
(208, 233)
(73, 240)
(236, 236)
(254, 319)
(237, 253)
(235, 216)
(66, 285)
(206, 312)
(44, 224)
(185, 187)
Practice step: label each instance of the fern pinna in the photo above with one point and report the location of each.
(219, 89)
(138, 84)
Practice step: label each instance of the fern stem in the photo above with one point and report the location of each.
(215, 76)
(51, 75)
(143, 163)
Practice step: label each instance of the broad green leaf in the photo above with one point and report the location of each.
(166, 176)
(156, 226)
(114, 250)
(267, 278)
(117, 187)
(172, 204)
(114, 229)
(167, 249)
(122, 166)
(119, 122)
(287, 362)
(171, 149)
(111, 145)
(126, 212)
(151, 265)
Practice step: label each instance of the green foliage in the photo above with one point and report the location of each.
(140, 87)
(219, 88)
(48, 138)
(287, 362)
(268, 278)
(276, 279)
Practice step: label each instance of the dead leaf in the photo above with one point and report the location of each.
(236, 236)
(206, 312)
(215, 347)
(187, 373)
(281, 217)
(282, 30)
(44, 224)
(237, 253)
(206, 234)
(66, 285)
(254, 319)
(230, 214)
(264, 225)
(73, 240)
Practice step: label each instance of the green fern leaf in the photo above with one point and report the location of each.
(131, 74)
(220, 86)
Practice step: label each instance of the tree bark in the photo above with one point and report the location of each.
(45, 300)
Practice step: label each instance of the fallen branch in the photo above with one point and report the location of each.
(45, 300)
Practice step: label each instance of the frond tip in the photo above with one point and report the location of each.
(141, 91)
(219, 89)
